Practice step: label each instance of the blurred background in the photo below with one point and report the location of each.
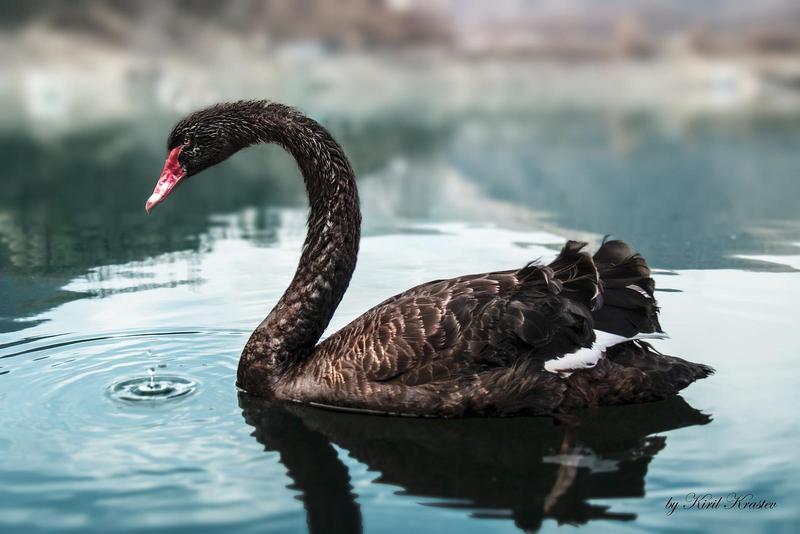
(92, 60)
(671, 124)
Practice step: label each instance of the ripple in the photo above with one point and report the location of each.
(98, 382)
(84, 339)
(88, 429)
(151, 389)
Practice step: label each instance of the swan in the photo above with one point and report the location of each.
(540, 339)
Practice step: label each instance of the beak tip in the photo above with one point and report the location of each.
(152, 202)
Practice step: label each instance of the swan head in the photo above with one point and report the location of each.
(199, 141)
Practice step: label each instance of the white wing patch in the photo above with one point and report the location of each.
(588, 358)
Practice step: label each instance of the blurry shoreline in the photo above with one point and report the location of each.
(66, 68)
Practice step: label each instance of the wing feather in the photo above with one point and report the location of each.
(449, 329)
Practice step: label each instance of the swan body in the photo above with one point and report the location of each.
(541, 339)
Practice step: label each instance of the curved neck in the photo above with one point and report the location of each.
(293, 327)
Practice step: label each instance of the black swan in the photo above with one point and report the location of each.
(543, 339)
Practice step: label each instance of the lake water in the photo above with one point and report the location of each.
(94, 293)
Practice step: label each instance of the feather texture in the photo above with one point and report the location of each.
(629, 304)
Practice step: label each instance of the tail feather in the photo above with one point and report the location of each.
(551, 308)
(628, 305)
(632, 372)
(576, 274)
(666, 374)
(625, 314)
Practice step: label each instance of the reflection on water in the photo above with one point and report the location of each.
(75, 203)
(689, 196)
(693, 198)
(523, 469)
(93, 293)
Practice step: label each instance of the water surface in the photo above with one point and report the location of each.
(94, 294)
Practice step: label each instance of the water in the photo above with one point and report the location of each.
(119, 333)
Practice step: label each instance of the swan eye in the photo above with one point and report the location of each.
(190, 148)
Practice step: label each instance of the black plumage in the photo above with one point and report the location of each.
(472, 345)
(629, 305)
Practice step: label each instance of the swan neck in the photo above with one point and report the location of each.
(292, 329)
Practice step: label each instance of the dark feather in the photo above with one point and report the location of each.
(631, 373)
(629, 304)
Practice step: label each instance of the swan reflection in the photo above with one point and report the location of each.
(524, 469)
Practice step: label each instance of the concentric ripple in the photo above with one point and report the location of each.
(69, 376)
(152, 389)
(134, 424)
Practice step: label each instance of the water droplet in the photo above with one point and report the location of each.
(151, 388)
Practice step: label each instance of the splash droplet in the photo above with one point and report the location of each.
(151, 388)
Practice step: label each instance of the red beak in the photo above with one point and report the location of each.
(171, 176)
